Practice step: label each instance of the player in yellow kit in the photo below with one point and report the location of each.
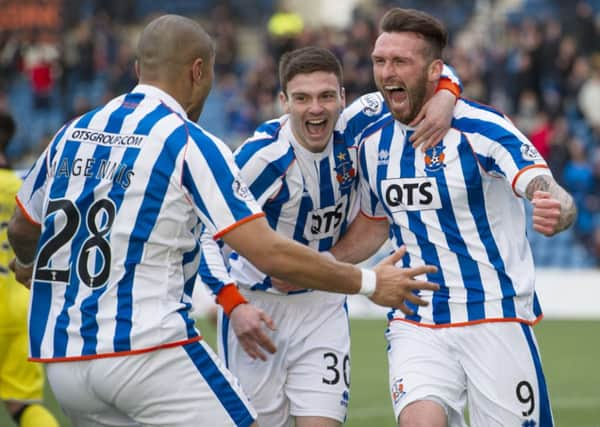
(21, 381)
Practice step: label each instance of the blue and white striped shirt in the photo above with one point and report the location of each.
(456, 207)
(121, 194)
(308, 197)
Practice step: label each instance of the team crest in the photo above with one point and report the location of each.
(372, 105)
(345, 173)
(434, 158)
(398, 390)
(241, 190)
(529, 152)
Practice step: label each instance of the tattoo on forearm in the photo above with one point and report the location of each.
(568, 211)
(539, 183)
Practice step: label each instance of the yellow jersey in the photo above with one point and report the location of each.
(14, 297)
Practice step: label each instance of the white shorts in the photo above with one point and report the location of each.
(174, 387)
(495, 366)
(309, 375)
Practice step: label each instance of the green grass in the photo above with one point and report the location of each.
(570, 353)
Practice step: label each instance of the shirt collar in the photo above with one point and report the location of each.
(154, 92)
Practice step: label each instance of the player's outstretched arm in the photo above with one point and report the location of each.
(278, 256)
(553, 207)
(361, 240)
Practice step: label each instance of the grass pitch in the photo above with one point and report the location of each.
(570, 354)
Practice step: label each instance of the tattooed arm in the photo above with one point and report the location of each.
(553, 207)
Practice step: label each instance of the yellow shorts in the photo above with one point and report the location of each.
(20, 379)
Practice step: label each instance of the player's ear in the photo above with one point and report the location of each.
(137, 68)
(343, 96)
(434, 70)
(283, 100)
(196, 71)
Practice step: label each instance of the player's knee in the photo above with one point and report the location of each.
(34, 415)
(423, 413)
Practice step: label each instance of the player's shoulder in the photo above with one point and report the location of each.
(202, 137)
(361, 114)
(269, 142)
(369, 105)
(470, 110)
(481, 120)
(383, 122)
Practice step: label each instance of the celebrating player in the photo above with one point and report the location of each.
(107, 236)
(302, 169)
(457, 206)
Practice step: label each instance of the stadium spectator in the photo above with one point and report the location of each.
(116, 202)
(590, 94)
(283, 27)
(474, 342)
(558, 155)
(21, 381)
(578, 179)
(540, 134)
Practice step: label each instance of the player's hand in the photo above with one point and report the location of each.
(395, 285)
(23, 275)
(247, 323)
(546, 213)
(433, 120)
(284, 287)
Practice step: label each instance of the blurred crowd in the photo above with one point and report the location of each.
(539, 63)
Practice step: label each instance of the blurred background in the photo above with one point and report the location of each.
(536, 60)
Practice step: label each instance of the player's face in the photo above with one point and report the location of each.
(314, 102)
(402, 73)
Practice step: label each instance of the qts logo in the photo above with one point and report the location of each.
(326, 222)
(411, 194)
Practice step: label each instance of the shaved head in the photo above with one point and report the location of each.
(168, 44)
(175, 54)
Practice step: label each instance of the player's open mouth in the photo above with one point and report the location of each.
(316, 127)
(396, 93)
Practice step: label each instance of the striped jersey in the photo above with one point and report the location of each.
(308, 197)
(457, 207)
(121, 194)
(14, 297)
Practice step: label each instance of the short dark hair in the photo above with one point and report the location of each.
(308, 60)
(411, 20)
(8, 127)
